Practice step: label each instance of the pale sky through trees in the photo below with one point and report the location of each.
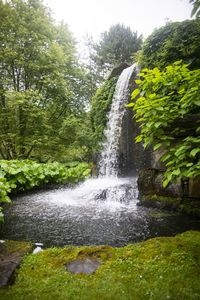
(93, 17)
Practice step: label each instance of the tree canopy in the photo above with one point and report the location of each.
(196, 8)
(172, 42)
(117, 45)
(42, 87)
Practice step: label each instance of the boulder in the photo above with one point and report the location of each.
(11, 254)
(87, 266)
(118, 70)
(150, 182)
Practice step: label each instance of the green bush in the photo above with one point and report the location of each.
(172, 42)
(22, 175)
(164, 99)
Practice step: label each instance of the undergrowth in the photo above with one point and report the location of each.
(22, 175)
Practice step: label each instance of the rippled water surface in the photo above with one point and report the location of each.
(99, 211)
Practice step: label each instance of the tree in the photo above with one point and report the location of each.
(196, 8)
(172, 42)
(40, 82)
(116, 45)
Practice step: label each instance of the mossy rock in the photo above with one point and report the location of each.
(159, 214)
(118, 70)
(188, 206)
(11, 254)
(162, 202)
(160, 268)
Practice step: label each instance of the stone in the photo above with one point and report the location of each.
(11, 255)
(146, 181)
(87, 266)
(194, 187)
(185, 126)
(155, 161)
(150, 182)
(172, 190)
(118, 70)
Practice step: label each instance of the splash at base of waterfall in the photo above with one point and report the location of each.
(114, 191)
(97, 212)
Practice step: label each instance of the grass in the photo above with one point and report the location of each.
(157, 269)
(13, 247)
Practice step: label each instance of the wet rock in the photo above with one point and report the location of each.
(150, 182)
(172, 190)
(101, 195)
(87, 266)
(11, 254)
(194, 190)
(153, 194)
(184, 127)
(118, 70)
(155, 159)
(123, 193)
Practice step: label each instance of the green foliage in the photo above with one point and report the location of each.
(101, 104)
(165, 98)
(41, 84)
(157, 269)
(196, 8)
(70, 140)
(5, 189)
(117, 45)
(172, 42)
(23, 175)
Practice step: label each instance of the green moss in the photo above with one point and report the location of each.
(191, 207)
(161, 214)
(161, 201)
(160, 268)
(12, 247)
(188, 206)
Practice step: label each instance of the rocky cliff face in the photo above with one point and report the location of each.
(133, 157)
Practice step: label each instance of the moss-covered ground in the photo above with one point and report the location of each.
(12, 247)
(160, 268)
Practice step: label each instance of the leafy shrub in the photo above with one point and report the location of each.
(101, 104)
(166, 98)
(22, 175)
(172, 42)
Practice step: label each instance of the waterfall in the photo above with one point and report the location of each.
(109, 161)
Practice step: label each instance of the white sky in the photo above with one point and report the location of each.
(93, 17)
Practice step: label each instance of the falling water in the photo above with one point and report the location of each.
(109, 162)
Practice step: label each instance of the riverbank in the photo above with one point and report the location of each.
(159, 268)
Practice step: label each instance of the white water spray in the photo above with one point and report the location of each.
(109, 162)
